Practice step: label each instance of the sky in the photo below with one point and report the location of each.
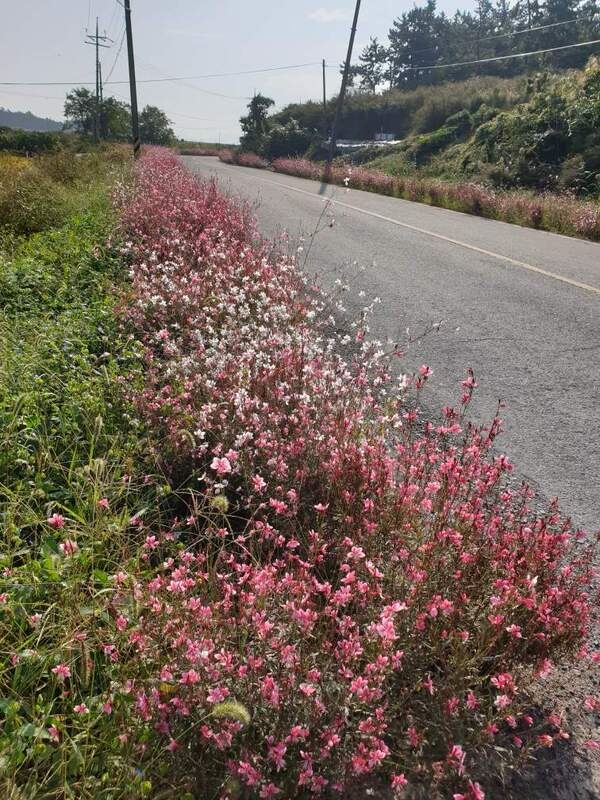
(43, 41)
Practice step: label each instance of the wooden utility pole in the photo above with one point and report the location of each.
(135, 122)
(340, 100)
(98, 42)
(325, 125)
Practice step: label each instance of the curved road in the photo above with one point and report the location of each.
(519, 306)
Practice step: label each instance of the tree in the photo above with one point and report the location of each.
(372, 68)
(415, 41)
(115, 120)
(114, 116)
(255, 124)
(155, 126)
(80, 107)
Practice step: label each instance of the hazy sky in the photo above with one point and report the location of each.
(42, 40)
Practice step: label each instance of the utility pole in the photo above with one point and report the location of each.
(98, 42)
(325, 125)
(135, 123)
(340, 100)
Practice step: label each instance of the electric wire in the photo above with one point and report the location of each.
(501, 58)
(112, 69)
(172, 78)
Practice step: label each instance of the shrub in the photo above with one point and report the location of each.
(289, 140)
(242, 159)
(31, 201)
(22, 142)
(41, 192)
(343, 593)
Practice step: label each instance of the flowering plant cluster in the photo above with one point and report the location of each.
(563, 213)
(342, 595)
(242, 159)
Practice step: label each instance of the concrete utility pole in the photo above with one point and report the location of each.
(340, 100)
(325, 125)
(135, 122)
(98, 42)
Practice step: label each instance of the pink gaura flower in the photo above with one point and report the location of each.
(592, 744)
(217, 694)
(399, 781)
(54, 733)
(62, 671)
(81, 708)
(69, 547)
(222, 466)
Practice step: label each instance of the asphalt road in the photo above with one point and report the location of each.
(519, 306)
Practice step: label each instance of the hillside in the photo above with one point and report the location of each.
(541, 131)
(26, 121)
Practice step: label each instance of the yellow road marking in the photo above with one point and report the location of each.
(522, 264)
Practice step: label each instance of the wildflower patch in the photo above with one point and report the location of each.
(338, 594)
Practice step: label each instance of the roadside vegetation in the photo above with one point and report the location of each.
(234, 564)
(525, 151)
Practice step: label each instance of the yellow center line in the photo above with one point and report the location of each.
(507, 259)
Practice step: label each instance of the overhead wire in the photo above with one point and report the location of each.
(167, 79)
(113, 18)
(502, 58)
(112, 69)
(520, 32)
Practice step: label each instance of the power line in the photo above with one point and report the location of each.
(167, 79)
(530, 30)
(112, 69)
(519, 32)
(113, 18)
(29, 94)
(502, 58)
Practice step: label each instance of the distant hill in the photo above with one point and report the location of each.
(26, 121)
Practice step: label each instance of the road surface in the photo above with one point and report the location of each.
(519, 306)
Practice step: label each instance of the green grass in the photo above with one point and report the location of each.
(68, 438)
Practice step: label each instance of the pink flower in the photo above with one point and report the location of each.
(191, 677)
(81, 708)
(221, 466)
(56, 521)
(103, 503)
(268, 791)
(515, 631)
(399, 781)
(592, 744)
(62, 671)
(69, 547)
(54, 733)
(258, 483)
(121, 622)
(217, 694)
